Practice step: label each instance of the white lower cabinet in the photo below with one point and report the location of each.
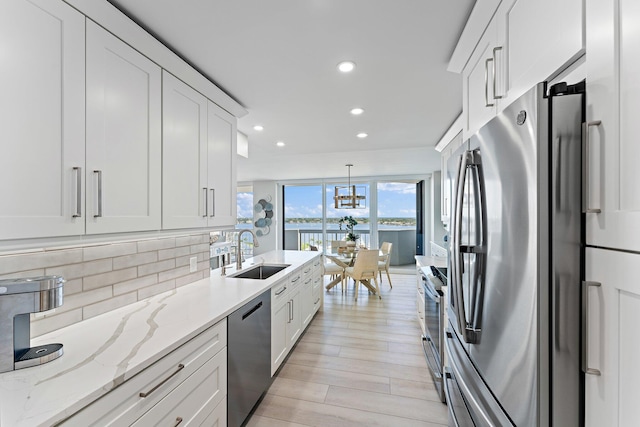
(193, 400)
(294, 301)
(189, 383)
(612, 352)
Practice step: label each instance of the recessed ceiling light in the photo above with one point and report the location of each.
(357, 111)
(362, 135)
(346, 66)
(258, 128)
(280, 144)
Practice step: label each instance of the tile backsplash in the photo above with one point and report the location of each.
(103, 277)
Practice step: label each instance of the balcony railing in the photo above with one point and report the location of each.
(302, 239)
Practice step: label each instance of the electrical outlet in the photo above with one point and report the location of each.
(193, 264)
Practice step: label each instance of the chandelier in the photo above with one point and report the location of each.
(347, 197)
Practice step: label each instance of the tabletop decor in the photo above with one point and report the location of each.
(349, 222)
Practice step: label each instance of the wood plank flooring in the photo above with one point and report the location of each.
(358, 364)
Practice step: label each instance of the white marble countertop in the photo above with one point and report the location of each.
(102, 352)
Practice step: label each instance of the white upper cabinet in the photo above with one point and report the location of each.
(42, 60)
(613, 107)
(124, 140)
(526, 42)
(478, 83)
(184, 155)
(199, 158)
(221, 136)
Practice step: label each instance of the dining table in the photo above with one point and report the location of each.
(346, 258)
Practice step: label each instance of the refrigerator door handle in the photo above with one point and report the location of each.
(586, 175)
(456, 258)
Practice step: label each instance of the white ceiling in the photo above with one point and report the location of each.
(278, 59)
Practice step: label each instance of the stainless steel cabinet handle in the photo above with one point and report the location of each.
(78, 173)
(99, 194)
(289, 311)
(213, 202)
(495, 61)
(486, 83)
(280, 293)
(317, 301)
(178, 422)
(205, 202)
(145, 394)
(295, 280)
(586, 190)
(585, 332)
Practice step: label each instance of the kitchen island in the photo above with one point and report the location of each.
(104, 352)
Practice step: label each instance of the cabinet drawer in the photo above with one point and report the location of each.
(194, 399)
(124, 405)
(217, 418)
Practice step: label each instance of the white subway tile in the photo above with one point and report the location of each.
(74, 271)
(172, 274)
(45, 325)
(185, 280)
(156, 267)
(156, 244)
(110, 278)
(38, 260)
(134, 260)
(156, 289)
(135, 284)
(91, 253)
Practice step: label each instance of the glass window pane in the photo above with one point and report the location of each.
(303, 217)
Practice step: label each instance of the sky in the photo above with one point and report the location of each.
(395, 200)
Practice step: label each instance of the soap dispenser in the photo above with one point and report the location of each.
(18, 299)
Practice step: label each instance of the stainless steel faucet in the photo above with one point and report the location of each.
(19, 298)
(239, 250)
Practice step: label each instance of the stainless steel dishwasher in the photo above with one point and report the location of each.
(249, 357)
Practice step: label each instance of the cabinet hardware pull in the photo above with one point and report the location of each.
(495, 61)
(289, 311)
(295, 280)
(78, 173)
(178, 422)
(99, 194)
(180, 368)
(486, 83)
(316, 301)
(205, 201)
(586, 173)
(280, 293)
(213, 202)
(585, 333)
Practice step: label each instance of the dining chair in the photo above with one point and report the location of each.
(330, 268)
(383, 261)
(337, 244)
(364, 269)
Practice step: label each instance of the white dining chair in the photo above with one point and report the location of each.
(365, 268)
(383, 261)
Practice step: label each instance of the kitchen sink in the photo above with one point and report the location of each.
(260, 272)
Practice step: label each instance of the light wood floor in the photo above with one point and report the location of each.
(358, 364)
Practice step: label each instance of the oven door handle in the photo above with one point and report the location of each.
(433, 369)
(431, 293)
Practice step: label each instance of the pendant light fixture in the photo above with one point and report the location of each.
(348, 197)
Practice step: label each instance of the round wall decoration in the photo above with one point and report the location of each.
(263, 216)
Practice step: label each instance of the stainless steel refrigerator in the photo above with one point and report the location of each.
(515, 266)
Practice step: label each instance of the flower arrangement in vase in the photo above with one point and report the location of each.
(349, 222)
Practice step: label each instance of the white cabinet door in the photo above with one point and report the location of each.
(613, 67)
(306, 301)
(294, 327)
(445, 193)
(42, 53)
(611, 398)
(184, 155)
(124, 142)
(536, 38)
(279, 321)
(479, 105)
(221, 136)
